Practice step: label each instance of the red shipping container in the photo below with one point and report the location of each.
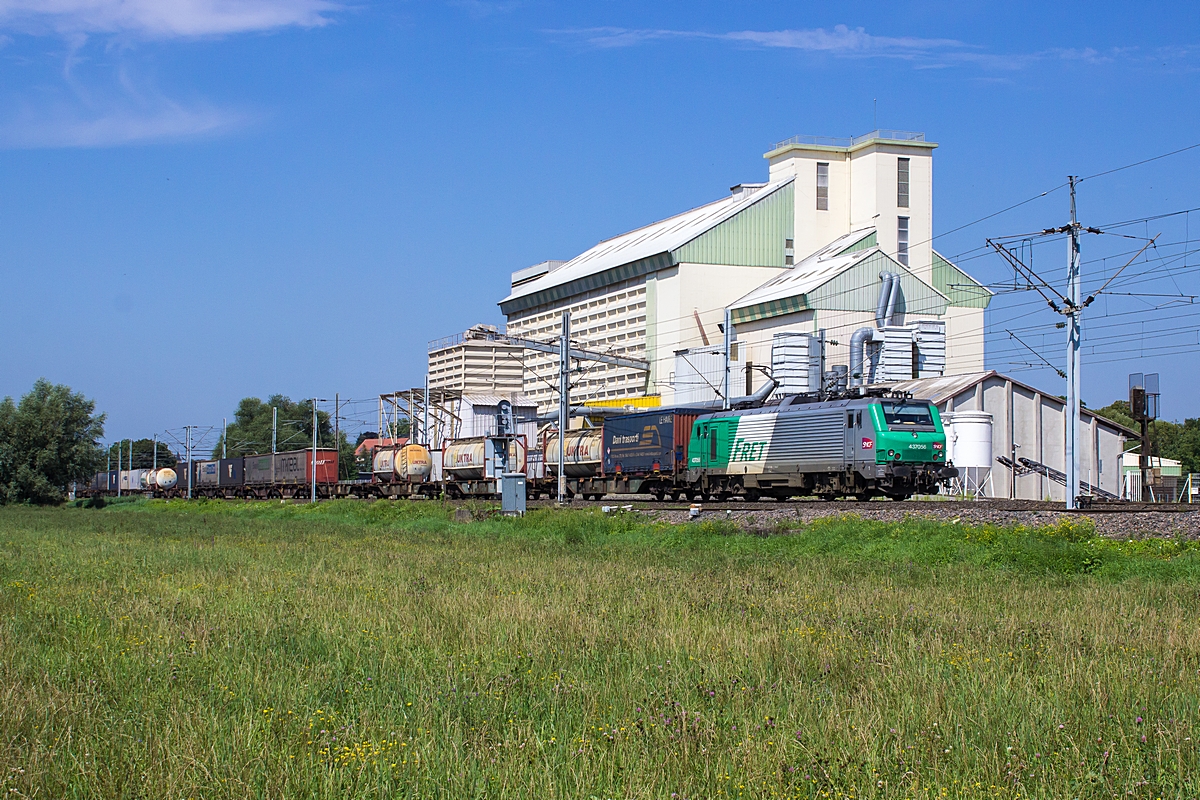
(295, 466)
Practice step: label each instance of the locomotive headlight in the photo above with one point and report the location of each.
(897, 456)
(891, 453)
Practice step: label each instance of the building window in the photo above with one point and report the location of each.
(902, 182)
(902, 240)
(822, 187)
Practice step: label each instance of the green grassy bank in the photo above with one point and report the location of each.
(381, 650)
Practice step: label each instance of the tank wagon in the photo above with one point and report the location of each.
(399, 471)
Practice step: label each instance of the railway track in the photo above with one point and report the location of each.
(850, 506)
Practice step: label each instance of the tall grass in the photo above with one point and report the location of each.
(382, 650)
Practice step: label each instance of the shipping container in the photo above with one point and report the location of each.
(206, 473)
(295, 467)
(260, 470)
(644, 444)
(231, 472)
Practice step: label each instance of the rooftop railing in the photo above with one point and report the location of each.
(835, 141)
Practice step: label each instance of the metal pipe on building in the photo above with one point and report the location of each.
(893, 295)
(728, 388)
(858, 344)
(884, 294)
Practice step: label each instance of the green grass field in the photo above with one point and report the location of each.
(354, 650)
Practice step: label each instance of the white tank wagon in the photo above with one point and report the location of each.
(584, 455)
(475, 459)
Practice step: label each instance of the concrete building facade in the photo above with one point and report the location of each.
(476, 361)
(801, 252)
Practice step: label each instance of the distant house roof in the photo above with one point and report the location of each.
(367, 445)
(647, 249)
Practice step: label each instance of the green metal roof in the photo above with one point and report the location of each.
(962, 290)
(865, 243)
(855, 288)
(752, 238)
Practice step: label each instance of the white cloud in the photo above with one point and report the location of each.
(161, 19)
(65, 126)
(840, 40)
(843, 39)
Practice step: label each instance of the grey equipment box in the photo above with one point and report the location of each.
(512, 494)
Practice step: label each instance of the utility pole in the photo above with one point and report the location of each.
(274, 426)
(728, 357)
(155, 468)
(120, 458)
(224, 435)
(564, 402)
(425, 413)
(188, 458)
(1072, 306)
(314, 453)
(1073, 309)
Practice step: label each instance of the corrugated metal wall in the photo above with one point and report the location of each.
(857, 289)
(754, 237)
(963, 290)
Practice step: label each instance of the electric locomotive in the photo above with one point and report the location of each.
(863, 447)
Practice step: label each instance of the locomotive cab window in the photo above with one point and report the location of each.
(906, 416)
(712, 447)
(850, 420)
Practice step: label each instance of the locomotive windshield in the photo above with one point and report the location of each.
(904, 415)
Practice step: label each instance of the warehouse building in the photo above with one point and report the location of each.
(1031, 424)
(840, 228)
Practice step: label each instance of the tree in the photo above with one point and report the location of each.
(1167, 439)
(48, 440)
(250, 431)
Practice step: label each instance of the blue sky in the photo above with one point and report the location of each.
(204, 200)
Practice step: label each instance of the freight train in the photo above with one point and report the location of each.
(860, 446)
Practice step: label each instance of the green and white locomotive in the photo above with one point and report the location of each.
(859, 447)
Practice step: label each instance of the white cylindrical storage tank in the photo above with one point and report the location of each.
(968, 438)
(969, 447)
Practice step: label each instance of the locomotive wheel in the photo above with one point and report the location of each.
(752, 495)
(899, 497)
(862, 497)
(659, 495)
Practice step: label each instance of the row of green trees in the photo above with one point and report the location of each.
(251, 429)
(48, 440)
